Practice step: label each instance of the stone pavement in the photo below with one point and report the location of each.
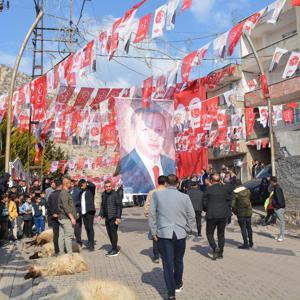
(270, 271)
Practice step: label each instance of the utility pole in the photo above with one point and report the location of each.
(71, 27)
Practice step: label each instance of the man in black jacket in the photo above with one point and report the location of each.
(216, 202)
(278, 202)
(111, 210)
(76, 196)
(87, 205)
(53, 213)
(196, 197)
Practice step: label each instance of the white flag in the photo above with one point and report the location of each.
(159, 21)
(171, 14)
(200, 55)
(219, 46)
(292, 65)
(272, 12)
(278, 53)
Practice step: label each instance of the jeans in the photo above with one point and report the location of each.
(172, 253)
(78, 229)
(246, 229)
(112, 231)
(27, 228)
(39, 223)
(280, 215)
(4, 229)
(55, 228)
(88, 221)
(211, 225)
(66, 233)
(198, 220)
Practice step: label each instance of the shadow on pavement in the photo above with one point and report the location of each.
(105, 247)
(155, 278)
(203, 250)
(134, 225)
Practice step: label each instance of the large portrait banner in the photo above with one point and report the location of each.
(146, 143)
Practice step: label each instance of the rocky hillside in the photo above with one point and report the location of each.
(5, 77)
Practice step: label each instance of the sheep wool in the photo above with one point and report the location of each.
(66, 264)
(96, 290)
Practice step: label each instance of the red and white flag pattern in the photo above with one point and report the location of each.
(186, 5)
(142, 32)
(292, 65)
(159, 21)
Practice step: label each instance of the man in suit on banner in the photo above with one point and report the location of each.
(141, 167)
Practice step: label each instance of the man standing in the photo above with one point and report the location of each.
(75, 192)
(278, 202)
(161, 185)
(241, 206)
(87, 204)
(67, 218)
(196, 197)
(111, 210)
(50, 189)
(53, 213)
(171, 216)
(216, 202)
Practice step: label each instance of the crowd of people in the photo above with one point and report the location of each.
(171, 208)
(64, 204)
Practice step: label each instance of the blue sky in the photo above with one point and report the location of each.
(194, 28)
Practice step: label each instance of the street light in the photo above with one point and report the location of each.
(266, 95)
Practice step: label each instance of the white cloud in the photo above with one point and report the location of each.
(9, 60)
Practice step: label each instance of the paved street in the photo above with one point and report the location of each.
(270, 271)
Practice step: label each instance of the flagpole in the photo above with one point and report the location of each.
(268, 99)
(12, 87)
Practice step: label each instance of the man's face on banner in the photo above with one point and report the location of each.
(150, 130)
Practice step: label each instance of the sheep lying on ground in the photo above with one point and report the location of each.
(47, 250)
(66, 264)
(42, 239)
(96, 290)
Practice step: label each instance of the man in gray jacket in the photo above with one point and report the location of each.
(171, 217)
(67, 218)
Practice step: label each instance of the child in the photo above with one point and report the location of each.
(19, 220)
(12, 217)
(3, 219)
(26, 210)
(38, 213)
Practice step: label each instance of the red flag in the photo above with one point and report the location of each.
(38, 89)
(288, 116)
(211, 106)
(101, 95)
(147, 92)
(114, 45)
(250, 120)
(264, 86)
(234, 37)
(56, 76)
(65, 94)
(103, 42)
(143, 28)
(187, 66)
(109, 134)
(87, 56)
(185, 5)
(292, 105)
(38, 153)
(295, 2)
(82, 98)
(222, 119)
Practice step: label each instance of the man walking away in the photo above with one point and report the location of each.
(196, 197)
(171, 217)
(76, 192)
(216, 201)
(53, 213)
(87, 204)
(242, 208)
(111, 210)
(278, 202)
(67, 219)
(161, 185)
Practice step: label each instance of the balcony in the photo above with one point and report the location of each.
(282, 92)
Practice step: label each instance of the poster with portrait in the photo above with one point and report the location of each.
(146, 143)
